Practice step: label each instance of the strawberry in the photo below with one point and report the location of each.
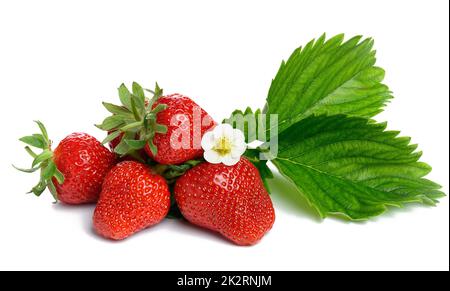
(181, 109)
(133, 198)
(169, 128)
(74, 171)
(230, 200)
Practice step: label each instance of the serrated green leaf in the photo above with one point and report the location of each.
(111, 122)
(352, 166)
(45, 155)
(328, 77)
(135, 144)
(34, 141)
(125, 96)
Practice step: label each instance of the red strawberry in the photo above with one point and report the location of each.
(169, 128)
(231, 200)
(181, 109)
(74, 172)
(133, 198)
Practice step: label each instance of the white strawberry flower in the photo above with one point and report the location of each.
(224, 144)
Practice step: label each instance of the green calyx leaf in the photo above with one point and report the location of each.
(353, 167)
(135, 118)
(42, 161)
(172, 172)
(328, 77)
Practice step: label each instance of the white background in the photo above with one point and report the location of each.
(60, 59)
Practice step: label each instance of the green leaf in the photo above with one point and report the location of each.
(328, 77)
(34, 141)
(352, 166)
(111, 122)
(135, 144)
(125, 96)
(45, 155)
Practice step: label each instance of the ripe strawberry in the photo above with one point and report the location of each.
(181, 109)
(133, 198)
(231, 200)
(169, 128)
(74, 172)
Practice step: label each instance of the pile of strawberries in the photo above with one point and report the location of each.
(143, 177)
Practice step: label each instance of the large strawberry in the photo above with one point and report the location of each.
(74, 171)
(231, 200)
(170, 127)
(132, 199)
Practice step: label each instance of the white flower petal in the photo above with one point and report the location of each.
(229, 160)
(212, 157)
(238, 136)
(238, 150)
(208, 141)
(223, 130)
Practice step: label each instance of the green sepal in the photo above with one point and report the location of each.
(30, 152)
(114, 109)
(48, 171)
(34, 141)
(110, 123)
(135, 117)
(110, 137)
(43, 162)
(32, 170)
(44, 156)
(124, 96)
(152, 147)
(135, 144)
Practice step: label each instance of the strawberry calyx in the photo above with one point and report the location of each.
(172, 172)
(134, 119)
(42, 161)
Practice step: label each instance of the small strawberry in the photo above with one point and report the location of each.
(231, 200)
(133, 198)
(74, 171)
(169, 128)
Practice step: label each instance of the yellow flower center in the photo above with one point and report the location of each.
(222, 146)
